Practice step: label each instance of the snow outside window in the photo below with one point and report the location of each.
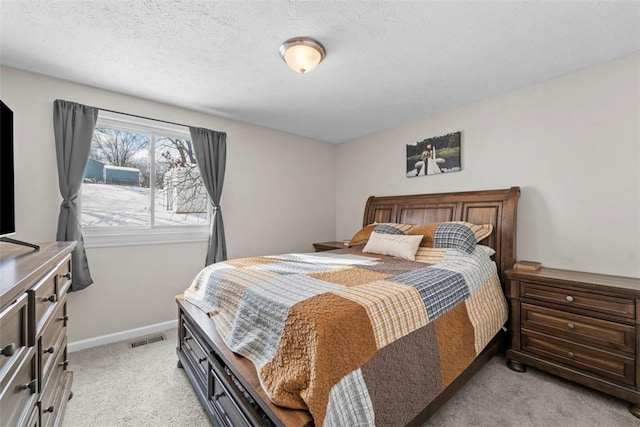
(142, 185)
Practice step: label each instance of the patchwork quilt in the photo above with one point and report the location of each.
(357, 339)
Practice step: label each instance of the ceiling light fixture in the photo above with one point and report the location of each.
(302, 54)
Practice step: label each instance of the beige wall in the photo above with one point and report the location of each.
(572, 144)
(279, 196)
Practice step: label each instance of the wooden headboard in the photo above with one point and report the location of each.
(497, 207)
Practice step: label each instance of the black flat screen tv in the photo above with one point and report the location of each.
(7, 191)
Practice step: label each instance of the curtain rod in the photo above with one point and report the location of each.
(142, 117)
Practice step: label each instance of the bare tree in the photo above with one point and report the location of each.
(144, 166)
(172, 153)
(117, 147)
(185, 192)
(179, 152)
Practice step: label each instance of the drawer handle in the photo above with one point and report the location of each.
(64, 364)
(50, 298)
(50, 350)
(202, 360)
(571, 326)
(67, 275)
(49, 409)
(218, 395)
(569, 298)
(187, 338)
(32, 386)
(9, 350)
(571, 354)
(63, 318)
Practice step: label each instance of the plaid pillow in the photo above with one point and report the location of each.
(455, 236)
(481, 231)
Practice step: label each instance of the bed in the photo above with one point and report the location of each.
(234, 392)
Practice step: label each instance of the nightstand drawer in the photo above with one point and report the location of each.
(599, 333)
(606, 365)
(583, 301)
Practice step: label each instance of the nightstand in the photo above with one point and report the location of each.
(580, 326)
(328, 246)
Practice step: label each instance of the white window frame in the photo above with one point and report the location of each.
(96, 237)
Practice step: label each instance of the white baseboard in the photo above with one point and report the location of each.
(121, 336)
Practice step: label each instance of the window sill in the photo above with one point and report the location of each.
(94, 238)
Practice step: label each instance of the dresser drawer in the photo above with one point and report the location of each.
(51, 394)
(598, 333)
(50, 344)
(34, 418)
(584, 301)
(18, 391)
(42, 299)
(606, 365)
(43, 295)
(13, 332)
(63, 277)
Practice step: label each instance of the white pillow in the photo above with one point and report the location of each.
(487, 250)
(397, 245)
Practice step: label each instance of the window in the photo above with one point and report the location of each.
(142, 184)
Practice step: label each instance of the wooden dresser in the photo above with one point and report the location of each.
(35, 383)
(580, 326)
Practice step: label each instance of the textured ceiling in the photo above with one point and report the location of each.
(387, 62)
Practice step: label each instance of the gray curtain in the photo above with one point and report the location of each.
(210, 148)
(73, 126)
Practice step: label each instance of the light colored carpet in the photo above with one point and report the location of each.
(118, 386)
(115, 385)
